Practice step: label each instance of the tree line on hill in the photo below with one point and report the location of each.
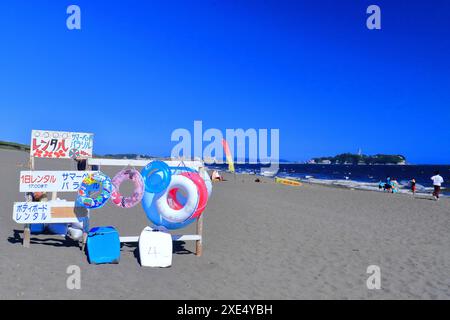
(350, 158)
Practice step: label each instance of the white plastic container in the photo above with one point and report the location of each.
(155, 248)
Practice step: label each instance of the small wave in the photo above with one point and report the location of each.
(369, 186)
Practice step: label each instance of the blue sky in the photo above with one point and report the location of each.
(140, 69)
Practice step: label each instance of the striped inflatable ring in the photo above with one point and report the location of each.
(190, 207)
(202, 193)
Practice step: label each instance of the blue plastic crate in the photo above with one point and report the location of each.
(103, 245)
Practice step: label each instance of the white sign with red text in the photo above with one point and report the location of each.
(61, 145)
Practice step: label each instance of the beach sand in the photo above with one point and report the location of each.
(261, 241)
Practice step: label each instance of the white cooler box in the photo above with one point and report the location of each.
(155, 248)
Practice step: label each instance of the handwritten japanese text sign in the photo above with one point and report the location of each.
(61, 145)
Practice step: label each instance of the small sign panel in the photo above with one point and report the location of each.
(61, 145)
(32, 212)
(52, 181)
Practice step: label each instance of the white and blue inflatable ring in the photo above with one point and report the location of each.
(192, 197)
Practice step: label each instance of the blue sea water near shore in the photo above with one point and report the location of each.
(354, 176)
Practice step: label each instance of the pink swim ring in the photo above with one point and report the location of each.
(127, 202)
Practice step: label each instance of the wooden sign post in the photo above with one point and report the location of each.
(47, 144)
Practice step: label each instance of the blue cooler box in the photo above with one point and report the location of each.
(37, 228)
(103, 245)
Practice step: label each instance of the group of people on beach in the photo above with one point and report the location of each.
(391, 185)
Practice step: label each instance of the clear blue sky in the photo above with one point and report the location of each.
(140, 69)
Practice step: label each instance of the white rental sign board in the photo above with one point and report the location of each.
(61, 145)
(32, 212)
(55, 211)
(52, 181)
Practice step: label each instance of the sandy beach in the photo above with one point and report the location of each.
(261, 241)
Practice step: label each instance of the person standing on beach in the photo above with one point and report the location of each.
(388, 185)
(413, 186)
(437, 182)
(394, 185)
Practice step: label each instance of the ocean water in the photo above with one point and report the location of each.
(356, 176)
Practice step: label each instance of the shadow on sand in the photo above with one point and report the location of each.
(55, 242)
(178, 248)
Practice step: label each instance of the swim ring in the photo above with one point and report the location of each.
(173, 194)
(203, 173)
(178, 201)
(127, 202)
(180, 170)
(157, 176)
(189, 188)
(148, 204)
(98, 183)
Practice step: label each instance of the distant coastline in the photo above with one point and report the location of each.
(14, 146)
(342, 159)
(361, 159)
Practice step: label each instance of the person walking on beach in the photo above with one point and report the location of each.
(413, 186)
(437, 182)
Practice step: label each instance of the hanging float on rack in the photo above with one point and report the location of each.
(172, 197)
(98, 184)
(134, 176)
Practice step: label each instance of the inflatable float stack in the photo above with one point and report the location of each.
(172, 197)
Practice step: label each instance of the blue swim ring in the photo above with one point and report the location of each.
(157, 176)
(98, 183)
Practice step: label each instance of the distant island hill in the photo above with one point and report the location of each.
(361, 159)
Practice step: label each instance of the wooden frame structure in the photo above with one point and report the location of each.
(62, 211)
(197, 165)
(66, 212)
